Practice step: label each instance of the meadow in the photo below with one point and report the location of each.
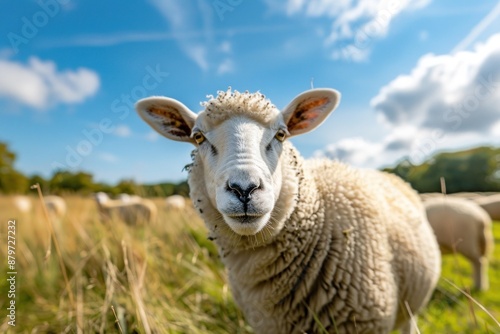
(166, 277)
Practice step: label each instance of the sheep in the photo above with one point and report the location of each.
(461, 226)
(491, 204)
(308, 244)
(22, 203)
(56, 206)
(467, 195)
(126, 198)
(131, 213)
(175, 202)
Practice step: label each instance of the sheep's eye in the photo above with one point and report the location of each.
(198, 138)
(280, 135)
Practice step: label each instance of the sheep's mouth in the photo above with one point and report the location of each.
(245, 224)
(245, 218)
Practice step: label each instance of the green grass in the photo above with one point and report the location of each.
(166, 277)
(451, 311)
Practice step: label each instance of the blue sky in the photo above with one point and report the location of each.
(415, 76)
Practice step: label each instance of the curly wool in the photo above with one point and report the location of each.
(346, 250)
(229, 103)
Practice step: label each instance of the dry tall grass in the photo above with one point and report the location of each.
(161, 278)
(166, 278)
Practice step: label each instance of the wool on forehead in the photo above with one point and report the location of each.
(230, 103)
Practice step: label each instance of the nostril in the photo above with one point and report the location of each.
(235, 188)
(244, 194)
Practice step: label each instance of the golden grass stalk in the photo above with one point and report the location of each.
(473, 300)
(56, 244)
(136, 293)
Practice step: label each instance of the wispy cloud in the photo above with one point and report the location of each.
(152, 136)
(354, 25)
(40, 84)
(185, 17)
(122, 131)
(478, 29)
(108, 157)
(202, 48)
(111, 39)
(226, 66)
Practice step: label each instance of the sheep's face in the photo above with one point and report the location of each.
(239, 138)
(241, 167)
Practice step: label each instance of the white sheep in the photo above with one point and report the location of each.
(467, 195)
(22, 203)
(175, 202)
(307, 244)
(56, 206)
(491, 204)
(132, 213)
(126, 198)
(461, 226)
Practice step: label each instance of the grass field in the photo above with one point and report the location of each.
(166, 278)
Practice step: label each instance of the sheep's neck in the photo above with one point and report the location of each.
(269, 277)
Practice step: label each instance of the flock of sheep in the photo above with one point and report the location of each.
(314, 245)
(131, 209)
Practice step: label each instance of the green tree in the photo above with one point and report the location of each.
(66, 181)
(126, 187)
(11, 181)
(475, 169)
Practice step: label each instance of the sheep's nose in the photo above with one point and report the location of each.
(243, 192)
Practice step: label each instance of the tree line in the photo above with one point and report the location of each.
(471, 170)
(65, 182)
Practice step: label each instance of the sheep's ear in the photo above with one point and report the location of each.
(168, 117)
(309, 109)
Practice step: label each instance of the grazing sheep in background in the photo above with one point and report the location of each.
(22, 203)
(461, 226)
(132, 213)
(175, 202)
(56, 206)
(490, 204)
(126, 198)
(467, 195)
(307, 244)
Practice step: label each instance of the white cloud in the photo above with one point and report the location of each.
(122, 131)
(152, 136)
(355, 25)
(226, 66)
(446, 102)
(6, 53)
(108, 157)
(40, 85)
(356, 151)
(225, 47)
(496, 129)
(423, 35)
(453, 93)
